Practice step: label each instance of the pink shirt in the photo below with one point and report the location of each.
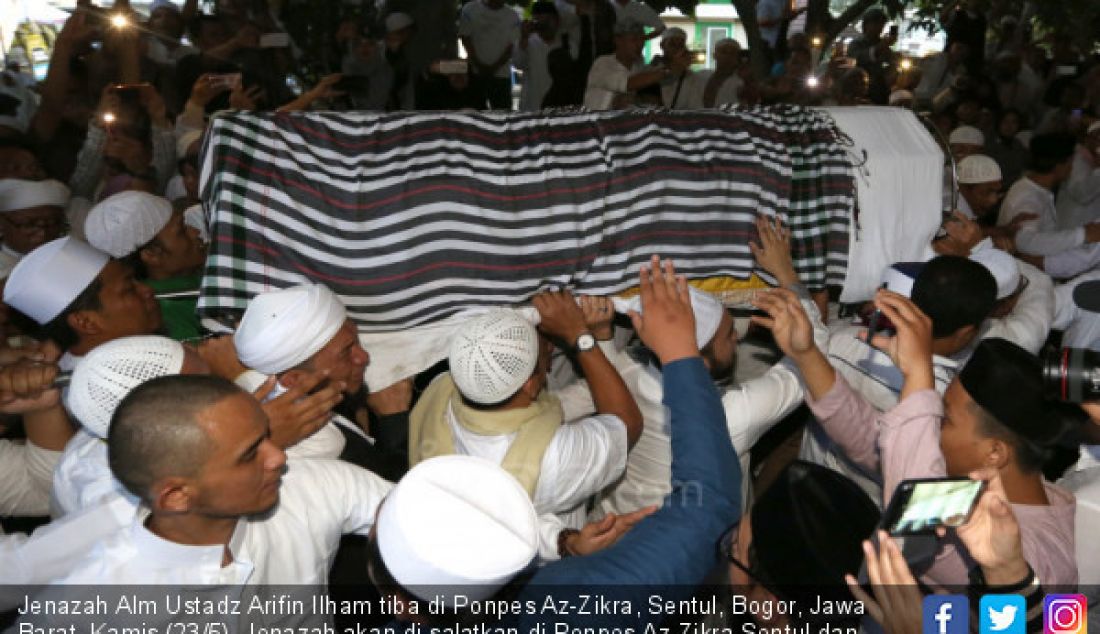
(904, 443)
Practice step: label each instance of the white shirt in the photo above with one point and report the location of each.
(583, 457)
(1082, 328)
(639, 12)
(751, 409)
(536, 74)
(50, 551)
(294, 543)
(606, 80)
(1079, 197)
(1029, 322)
(1040, 236)
(690, 96)
(491, 31)
(1073, 262)
(728, 93)
(83, 477)
(1084, 481)
(26, 471)
(874, 376)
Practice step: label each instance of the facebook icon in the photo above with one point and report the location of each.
(946, 614)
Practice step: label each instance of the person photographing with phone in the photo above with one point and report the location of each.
(993, 415)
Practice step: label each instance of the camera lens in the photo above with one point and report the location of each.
(1073, 374)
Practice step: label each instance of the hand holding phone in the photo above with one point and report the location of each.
(920, 507)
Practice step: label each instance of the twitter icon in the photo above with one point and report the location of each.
(1002, 614)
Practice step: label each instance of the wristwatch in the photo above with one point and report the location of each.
(584, 343)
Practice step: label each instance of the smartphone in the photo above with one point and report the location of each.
(453, 67)
(228, 80)
(352, 83)
(919, 507)
(876, 323)
(274, 40)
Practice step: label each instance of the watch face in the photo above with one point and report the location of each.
(585, 342)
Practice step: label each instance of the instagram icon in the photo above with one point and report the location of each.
(1065, 614)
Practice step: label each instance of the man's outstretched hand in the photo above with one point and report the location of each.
(666, 324)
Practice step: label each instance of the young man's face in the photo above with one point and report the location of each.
(982, 197)
(243, 471)
(127, 307)
(28, 229)
(178, 248)
(964, 448)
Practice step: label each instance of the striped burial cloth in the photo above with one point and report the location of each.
(414, 217)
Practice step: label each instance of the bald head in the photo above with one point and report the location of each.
(157, 430)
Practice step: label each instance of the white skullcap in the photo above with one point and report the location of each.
(110, 371)
(1004, 268)
(978, 168)
(900, 277)
(194, 217)
(966, 135)
(397, 21)
(1093, 127)
(674, 32)
(185, 141)
(125, 222)
(492, 355)
(49, 278)
(708, 313)
(457, 525)
(283, 329)
(16, 194)
(899, 96)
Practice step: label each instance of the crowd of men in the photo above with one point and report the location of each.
(609, 442)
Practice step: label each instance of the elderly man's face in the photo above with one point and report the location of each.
(28, 229)
(343, 357)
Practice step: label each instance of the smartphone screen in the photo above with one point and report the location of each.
(920, 506)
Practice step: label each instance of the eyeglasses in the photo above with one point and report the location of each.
(40, 223)
(727, 545)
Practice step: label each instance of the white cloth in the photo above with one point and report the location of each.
(1081, 327)
(491, 31)
(899, 192)
(50, 551)
(751, 408)
(1078, 199)
(284, 328)
(872, 374)
(536, 73)
(1073, 262)
(26, 471)
(639, 12)
(16, 194)
(690, 96)
(319, 501)
(1042, 235)
(607, 79)
(728, 93)
(583, 457)
(83, 478)
(1030, 320)
(1083, 480)
(8, 260)
(127, 221)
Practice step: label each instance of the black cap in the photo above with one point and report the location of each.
(1007, 382)
(807, 531)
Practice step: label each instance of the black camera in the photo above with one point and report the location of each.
(1072, 374)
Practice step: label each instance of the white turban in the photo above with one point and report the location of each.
(125, 222)
(50, 277)
(283, 329)
(110, 371)
(457, 525)
(708, 313)
(16, 194)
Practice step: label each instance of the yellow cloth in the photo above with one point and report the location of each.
(535, 425)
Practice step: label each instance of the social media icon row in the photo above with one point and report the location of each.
(1004, 614)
